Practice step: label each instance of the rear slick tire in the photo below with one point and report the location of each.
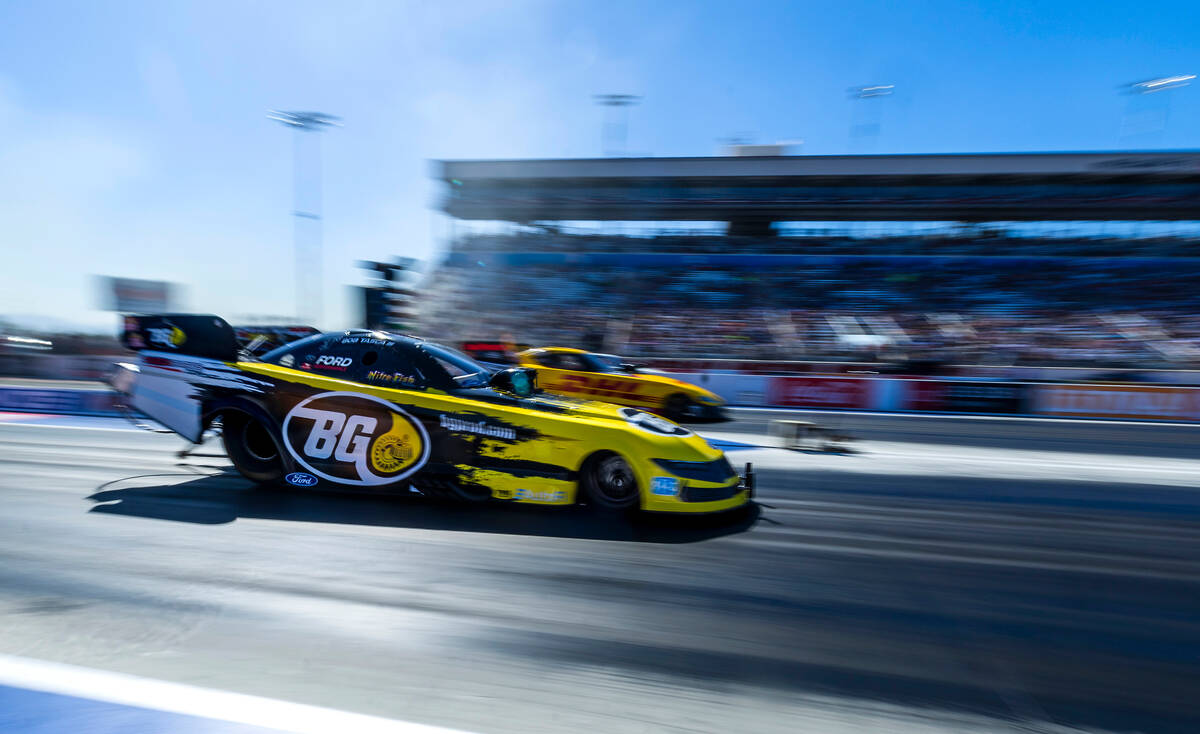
(251, 448)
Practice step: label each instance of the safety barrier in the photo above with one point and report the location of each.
(965, 396)
(58, 400)
(890, 394)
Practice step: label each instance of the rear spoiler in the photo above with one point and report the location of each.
(194, 335)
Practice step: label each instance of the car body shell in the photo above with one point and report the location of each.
(481, 442)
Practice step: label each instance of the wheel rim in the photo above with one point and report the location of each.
(258, 442)
(613, 482)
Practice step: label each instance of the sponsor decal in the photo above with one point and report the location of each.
(604, 387)
(482, 428)
(664, 486)
(169, 335)
(330, 362)
(392, 377)
(355, 439)
(300, 479)
(652, 423)
(541, 495)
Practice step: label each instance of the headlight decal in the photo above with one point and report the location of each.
(652, 423)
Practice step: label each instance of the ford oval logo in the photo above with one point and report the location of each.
(300, 479)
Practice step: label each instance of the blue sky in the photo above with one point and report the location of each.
(134, 142)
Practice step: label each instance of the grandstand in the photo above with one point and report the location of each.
(1071, 258)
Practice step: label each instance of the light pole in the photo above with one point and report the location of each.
(1146, 116)
(307, 209)
(616, 121)
(866, 119)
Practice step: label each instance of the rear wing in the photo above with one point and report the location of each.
(184, 361)
(190, 335)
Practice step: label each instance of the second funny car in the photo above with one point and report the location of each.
(375, 411)
(597, 376)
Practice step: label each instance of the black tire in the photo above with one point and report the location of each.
(251, 447)
(610, 483)
(676, 407)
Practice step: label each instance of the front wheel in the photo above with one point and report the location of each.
(610, 482)
(251, 447)
(677, 407)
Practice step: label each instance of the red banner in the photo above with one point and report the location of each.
(818, 392)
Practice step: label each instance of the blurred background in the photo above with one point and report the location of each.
(904, 241)
(767, 182)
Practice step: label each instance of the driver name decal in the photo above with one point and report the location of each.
(355, 439)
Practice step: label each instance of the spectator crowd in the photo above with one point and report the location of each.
(1061, 305)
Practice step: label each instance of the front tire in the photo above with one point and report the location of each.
(676, 407)
(610, 483)
(251, 447)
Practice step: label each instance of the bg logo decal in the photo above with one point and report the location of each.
(355, 439)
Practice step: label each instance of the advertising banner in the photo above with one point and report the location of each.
(974, 396)
(819, 392)
(1118, 401)
(66, 402)
(918, 396)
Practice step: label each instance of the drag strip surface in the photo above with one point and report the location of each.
(930, 581)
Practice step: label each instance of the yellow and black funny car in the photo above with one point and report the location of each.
(374, 411)
(577, 373)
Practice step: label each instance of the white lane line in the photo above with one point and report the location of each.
(817, 512)
(952, 544)
(967, 560)
(179, 698)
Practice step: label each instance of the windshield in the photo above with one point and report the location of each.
(605, 362)
(465, 371)
(273, 356)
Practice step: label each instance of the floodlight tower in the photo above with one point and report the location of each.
(1146, 116)
(867, 117)
(616, 121)
(307, 208)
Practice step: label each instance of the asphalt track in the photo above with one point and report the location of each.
(949, 574)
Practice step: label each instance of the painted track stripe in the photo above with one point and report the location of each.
(178, 698)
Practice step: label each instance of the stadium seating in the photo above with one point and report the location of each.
(946, 297)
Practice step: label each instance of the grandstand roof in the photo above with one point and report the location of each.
(803, 166)
(970, 187)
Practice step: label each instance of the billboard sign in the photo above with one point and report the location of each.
(134, 295)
